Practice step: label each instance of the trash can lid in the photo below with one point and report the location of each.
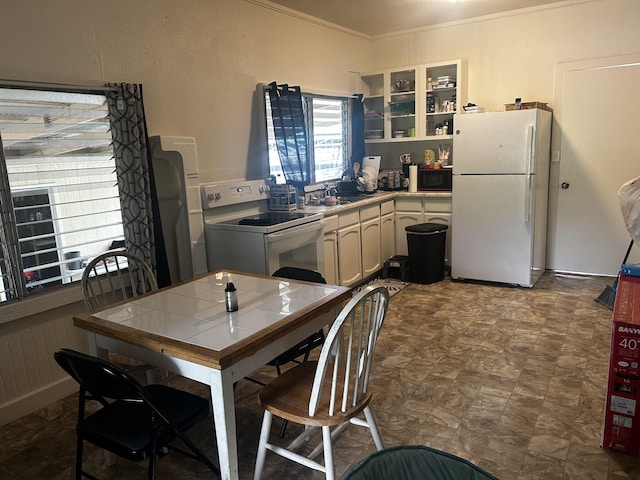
(426, 228)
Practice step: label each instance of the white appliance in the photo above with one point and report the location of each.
(254, 240)
(499, 202)
(175, 168)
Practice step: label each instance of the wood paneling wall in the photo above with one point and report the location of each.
(29, 376)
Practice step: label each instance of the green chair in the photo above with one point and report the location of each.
(415, 462)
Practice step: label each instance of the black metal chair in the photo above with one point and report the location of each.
(302, 349)
(135, 422)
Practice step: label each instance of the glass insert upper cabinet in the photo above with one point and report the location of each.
(413, 103)
(402, 103)
(374, 106)
(443, 97)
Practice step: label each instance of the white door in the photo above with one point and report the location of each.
(388, 236)
(370, 240)
(492, 241)
(596, 134)
(494, 142)
(403, 220)
(349, 259)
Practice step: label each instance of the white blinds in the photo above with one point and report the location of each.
(62, 182)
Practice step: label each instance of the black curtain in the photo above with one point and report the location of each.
(290, 130)
(357, 129)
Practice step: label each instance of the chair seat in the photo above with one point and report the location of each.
(122, 427)
(287, 396)
(416, 462)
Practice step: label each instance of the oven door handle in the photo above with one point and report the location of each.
(306, 228)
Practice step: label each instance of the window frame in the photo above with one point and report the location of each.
(67, 291)
(307, 101)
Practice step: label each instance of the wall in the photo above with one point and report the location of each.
(518, 55)
(199, 62)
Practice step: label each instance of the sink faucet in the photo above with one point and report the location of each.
(329, 191)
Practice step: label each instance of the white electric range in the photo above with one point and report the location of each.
(241, 234)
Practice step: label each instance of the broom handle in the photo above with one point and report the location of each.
(628, 251)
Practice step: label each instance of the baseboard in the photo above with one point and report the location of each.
(36, 400)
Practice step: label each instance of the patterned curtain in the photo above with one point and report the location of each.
(290, 130)
(138, 198)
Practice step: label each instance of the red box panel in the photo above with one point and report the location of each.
(621, 429)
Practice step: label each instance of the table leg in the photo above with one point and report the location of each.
(224, 417)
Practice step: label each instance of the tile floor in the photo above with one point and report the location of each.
(511, 379)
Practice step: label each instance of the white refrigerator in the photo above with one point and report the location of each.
(500, 191)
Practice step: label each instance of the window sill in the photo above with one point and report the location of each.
(39, 303)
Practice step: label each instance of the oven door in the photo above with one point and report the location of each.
(300, 246)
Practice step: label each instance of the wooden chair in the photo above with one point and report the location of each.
(302, 349)
(112, 277)
(332, 391)
(135, 422)
(115, 276)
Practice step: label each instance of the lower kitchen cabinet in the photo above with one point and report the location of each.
(415, 210)
(387, 230)
(370, 238)
(331, 250)
(357, 242)
(349, 248)
(371, 255)
(388, 236)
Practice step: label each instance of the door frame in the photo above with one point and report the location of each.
(561, 70)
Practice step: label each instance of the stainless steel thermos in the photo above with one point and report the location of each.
(231, 297)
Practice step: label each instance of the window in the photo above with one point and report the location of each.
(327, 126)
(59, 192)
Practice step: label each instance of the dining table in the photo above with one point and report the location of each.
(186, 329)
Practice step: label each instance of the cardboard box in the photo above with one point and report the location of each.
(527, 105)
(621, 429)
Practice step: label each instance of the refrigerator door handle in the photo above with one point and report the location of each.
(530, 149)
(528, 194)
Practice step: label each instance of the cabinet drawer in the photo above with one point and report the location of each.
(348, 218)
(330, 223)
(408, 204)
(367, 213)
(386, 207)
(437, 204)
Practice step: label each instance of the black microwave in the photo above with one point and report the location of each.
(435, 179)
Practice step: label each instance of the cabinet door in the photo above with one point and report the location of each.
(404, 219)
(388, 236)
(371, 254)
(331, 257)
(349, 259)
(442, 219)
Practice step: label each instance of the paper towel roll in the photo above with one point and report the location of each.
(413, 178)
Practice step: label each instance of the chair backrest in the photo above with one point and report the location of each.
(297, 273)
(115, 276)
(99, 377)
(347, 353)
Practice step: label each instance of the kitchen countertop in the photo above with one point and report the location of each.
(369, 200)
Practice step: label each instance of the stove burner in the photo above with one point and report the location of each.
(270, 218)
